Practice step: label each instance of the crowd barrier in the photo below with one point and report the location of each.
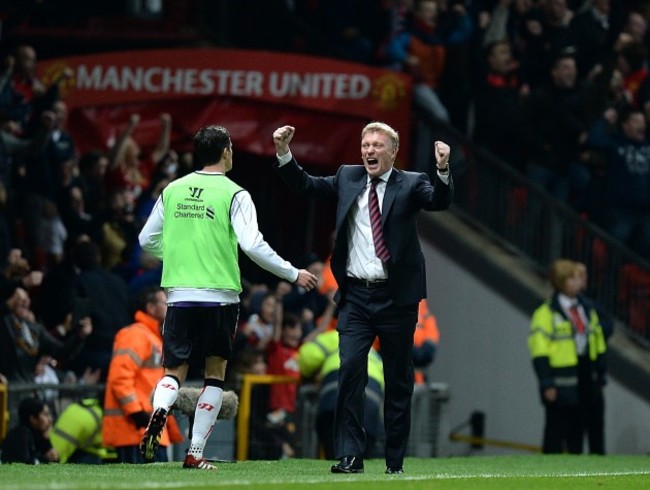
(427, 411)
(58, 396)
(249, 381)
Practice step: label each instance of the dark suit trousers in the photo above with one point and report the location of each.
(568, 425)
(366, 313)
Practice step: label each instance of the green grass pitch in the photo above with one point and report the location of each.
(476, 472)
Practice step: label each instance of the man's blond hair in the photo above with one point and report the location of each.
(381, 127)
(560, 271)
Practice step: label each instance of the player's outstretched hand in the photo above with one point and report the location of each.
(306, 279)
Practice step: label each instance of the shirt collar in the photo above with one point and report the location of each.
(207, 172)
(383, 177)
(565, 302)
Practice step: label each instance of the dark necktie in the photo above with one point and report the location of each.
(375, 223)
(577, 319)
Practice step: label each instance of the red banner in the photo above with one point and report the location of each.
(249, 92)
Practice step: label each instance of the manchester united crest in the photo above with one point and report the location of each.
(389, 90)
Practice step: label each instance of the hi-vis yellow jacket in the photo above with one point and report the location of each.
(79, 427)
(320, 357)
(553, 349)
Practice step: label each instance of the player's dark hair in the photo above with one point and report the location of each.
(209, 144)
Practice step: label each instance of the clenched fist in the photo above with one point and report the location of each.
(442, 151)
(281, 138)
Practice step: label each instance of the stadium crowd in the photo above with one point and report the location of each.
(559, 89)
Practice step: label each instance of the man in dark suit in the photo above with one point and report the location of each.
(379, 267)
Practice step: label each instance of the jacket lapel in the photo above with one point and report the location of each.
(392, 187)
(355, 187)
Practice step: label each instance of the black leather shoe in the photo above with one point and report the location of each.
(348, 464)
(394, 470)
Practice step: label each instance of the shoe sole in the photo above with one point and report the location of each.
(340, 470)
(198, 468)
(201, 465)
(151, 441)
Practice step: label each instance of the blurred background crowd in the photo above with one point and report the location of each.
(557, 89)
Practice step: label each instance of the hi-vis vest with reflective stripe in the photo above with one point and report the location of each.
(133, 373)
(321, 357)
(79, 427)
(199, 243)
(552, 336)
(552, 346)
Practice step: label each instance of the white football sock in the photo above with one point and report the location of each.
(205, 416)
(166, 393)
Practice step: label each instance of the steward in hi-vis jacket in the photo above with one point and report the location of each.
(568, 348)
(134, 371)
(77, 434)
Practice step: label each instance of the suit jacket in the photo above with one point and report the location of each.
(406, 194)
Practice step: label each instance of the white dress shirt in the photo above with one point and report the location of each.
(362, 261)
(581, 340)
(243, 217)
